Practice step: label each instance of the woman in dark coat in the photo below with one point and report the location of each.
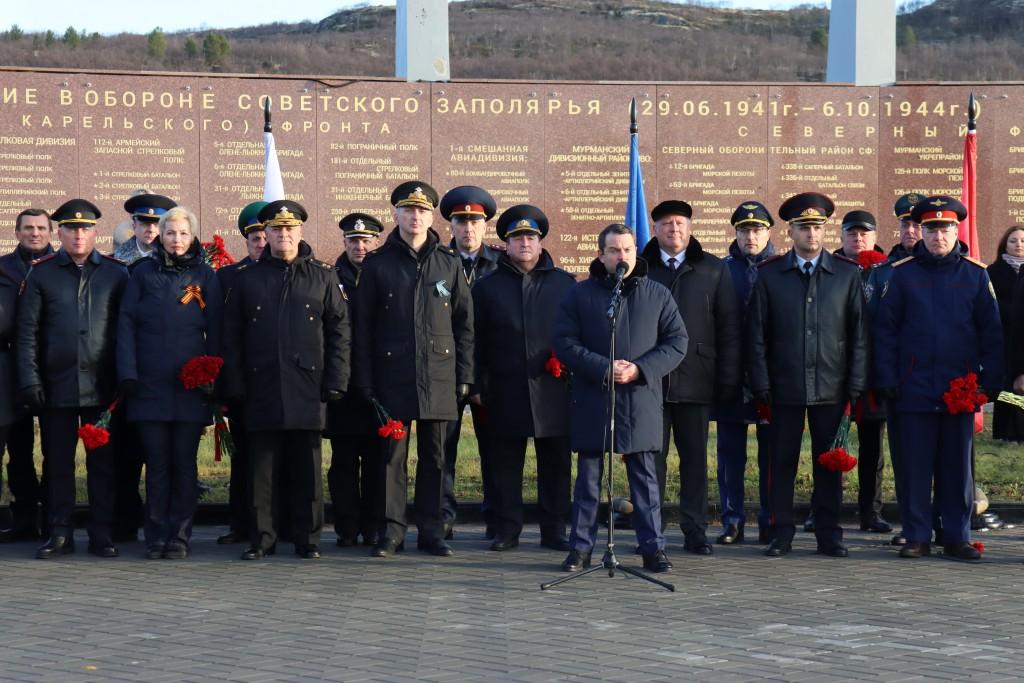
(1007, 420)
(171, 313)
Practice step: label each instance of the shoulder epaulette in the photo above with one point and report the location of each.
(974, 261)
(446, 249)
(118, 261)
(322, 264)
(498, 247)
(902, 261)
(44, 259)
(770, 259)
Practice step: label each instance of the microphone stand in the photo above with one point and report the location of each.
(609, 561)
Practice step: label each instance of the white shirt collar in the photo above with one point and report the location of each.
(800, 261)
(680, 257)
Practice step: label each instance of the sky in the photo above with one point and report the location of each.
(118, 16)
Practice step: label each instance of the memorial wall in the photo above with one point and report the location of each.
(344, 144)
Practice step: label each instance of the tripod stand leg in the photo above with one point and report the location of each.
(640, 575)
(570, 577)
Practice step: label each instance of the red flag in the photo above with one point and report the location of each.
(968, 232)
(969, 194)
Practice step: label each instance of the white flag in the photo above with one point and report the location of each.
(273, 186)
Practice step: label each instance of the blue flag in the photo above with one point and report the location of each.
(636, 204)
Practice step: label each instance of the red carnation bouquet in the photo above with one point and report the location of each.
(763, 411)
(869, 258)
(979, 546)
(97, 435)
(837, 459)
(964, 396)
(390, 428)
(201, 372)
(215, 254)
(555, 367)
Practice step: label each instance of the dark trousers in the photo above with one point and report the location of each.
(172, 474)
(353, 481)
(129, 456)
(239, 498)
(453, 432)
(59, 432)
(26, 491)
(393, 496)
(869, 467)
(554, 473)
(732, 465)
(688, 423)
(787, 432)
(643, 492)
(297, 454)
(935, 447)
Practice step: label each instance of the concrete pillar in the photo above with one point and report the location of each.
(862, 42)
(421, 40)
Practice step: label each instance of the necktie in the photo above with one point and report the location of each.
(467, 265)
(808, 268)
(672, 263)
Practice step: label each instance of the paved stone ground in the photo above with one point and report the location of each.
(735, 616)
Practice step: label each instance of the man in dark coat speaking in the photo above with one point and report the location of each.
(650, 343)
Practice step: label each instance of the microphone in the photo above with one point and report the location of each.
(613, 305)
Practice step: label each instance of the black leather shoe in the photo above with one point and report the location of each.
(961, 551)
(449, 532)
(56, 545)
(103, 549)
(898, 539)
(253, 552)
(657, 562)
(809, 524)
(437, 548)
(834, 550)
(731, 534)
(764, 535)
(346, 541)
(386, 547)
(575, 561)
(914, 550)
(231, 537)
(698, 545)
(502, 544)
(308, 552)
(554, 542)
(154, 552)
(876, 524)
(175, 550)
(778, 548)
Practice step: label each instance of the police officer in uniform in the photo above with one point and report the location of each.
(514, 311)
(702, 288)
(414, 356)
(239, 498)
(808, 357)
(145, 210)
(67, 329)
(938, 319)
(33, 230)
(468, 208)
(752, 247)
(859, 232)
(288, 323)
(353, 477)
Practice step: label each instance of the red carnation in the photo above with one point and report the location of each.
(201, 372)
(763, 411)
(97, 435)
(964, 396)
(554, 367)
(979, 546)
(869, 258)
(389, 427)
(837, 459)
(215, 253)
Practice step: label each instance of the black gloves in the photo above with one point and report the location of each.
(33, 397)
(854, 397)
(328, 395)
(462, 392)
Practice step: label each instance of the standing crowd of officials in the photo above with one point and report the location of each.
(408, 327)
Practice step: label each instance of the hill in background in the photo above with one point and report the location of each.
(643, 40)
